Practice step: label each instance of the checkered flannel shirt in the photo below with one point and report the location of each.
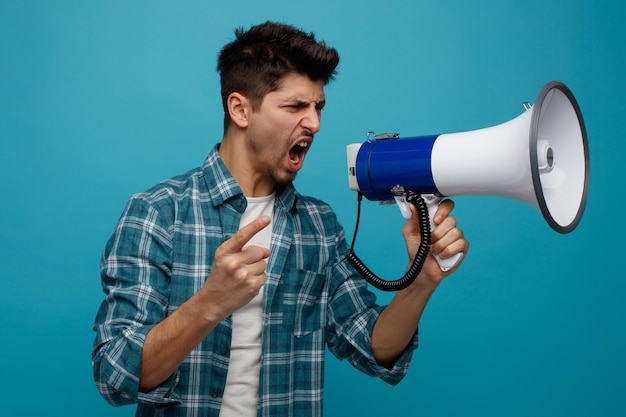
(161, 253)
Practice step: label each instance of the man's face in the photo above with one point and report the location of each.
(281, 131)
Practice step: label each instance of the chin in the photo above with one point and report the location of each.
(286, 179)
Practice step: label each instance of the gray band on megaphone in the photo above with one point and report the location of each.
(561, 192)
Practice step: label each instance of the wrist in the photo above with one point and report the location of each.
(203, 308)
(422, 287)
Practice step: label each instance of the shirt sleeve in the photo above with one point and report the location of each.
(353, 313)
(135, 274)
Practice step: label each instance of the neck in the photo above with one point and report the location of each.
(236, 156)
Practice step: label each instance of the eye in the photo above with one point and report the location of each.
(294, 107)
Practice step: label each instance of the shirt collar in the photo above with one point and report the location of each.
(222, 186)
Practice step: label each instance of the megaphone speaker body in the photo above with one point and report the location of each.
(540, 158)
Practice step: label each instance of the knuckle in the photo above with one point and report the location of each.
(231, 264)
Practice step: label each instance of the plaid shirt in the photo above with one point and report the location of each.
(161, 253)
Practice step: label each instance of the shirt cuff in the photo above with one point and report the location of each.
(394, 375)
(164, 395)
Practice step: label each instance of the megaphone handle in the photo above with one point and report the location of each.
(432, 202)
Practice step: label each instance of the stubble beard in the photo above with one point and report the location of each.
(274, 167)
(281, 180)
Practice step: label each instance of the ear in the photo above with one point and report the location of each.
(239, 109)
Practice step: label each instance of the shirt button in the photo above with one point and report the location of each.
(214, 394)
(239, 202)
(224, 351)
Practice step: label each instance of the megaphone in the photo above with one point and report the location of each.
(540, 158)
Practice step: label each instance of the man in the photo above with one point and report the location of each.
(224, 286)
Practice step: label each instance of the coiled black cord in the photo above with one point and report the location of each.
(420, 256)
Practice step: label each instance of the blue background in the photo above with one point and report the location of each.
(99, 100)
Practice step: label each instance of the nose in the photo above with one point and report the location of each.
(312, 118)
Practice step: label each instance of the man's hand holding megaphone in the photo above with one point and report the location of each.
(447, 241)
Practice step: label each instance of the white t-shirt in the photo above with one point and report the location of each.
(242, 380)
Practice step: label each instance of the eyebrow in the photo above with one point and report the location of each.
(299, 102)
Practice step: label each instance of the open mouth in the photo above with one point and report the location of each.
(296, 154)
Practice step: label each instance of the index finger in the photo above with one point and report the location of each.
(243, 236)
(443, 210)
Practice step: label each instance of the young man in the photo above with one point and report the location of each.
(224, 286)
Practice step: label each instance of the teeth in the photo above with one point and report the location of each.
(303, 144)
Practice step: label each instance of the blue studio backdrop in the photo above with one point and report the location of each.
(99, 100)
